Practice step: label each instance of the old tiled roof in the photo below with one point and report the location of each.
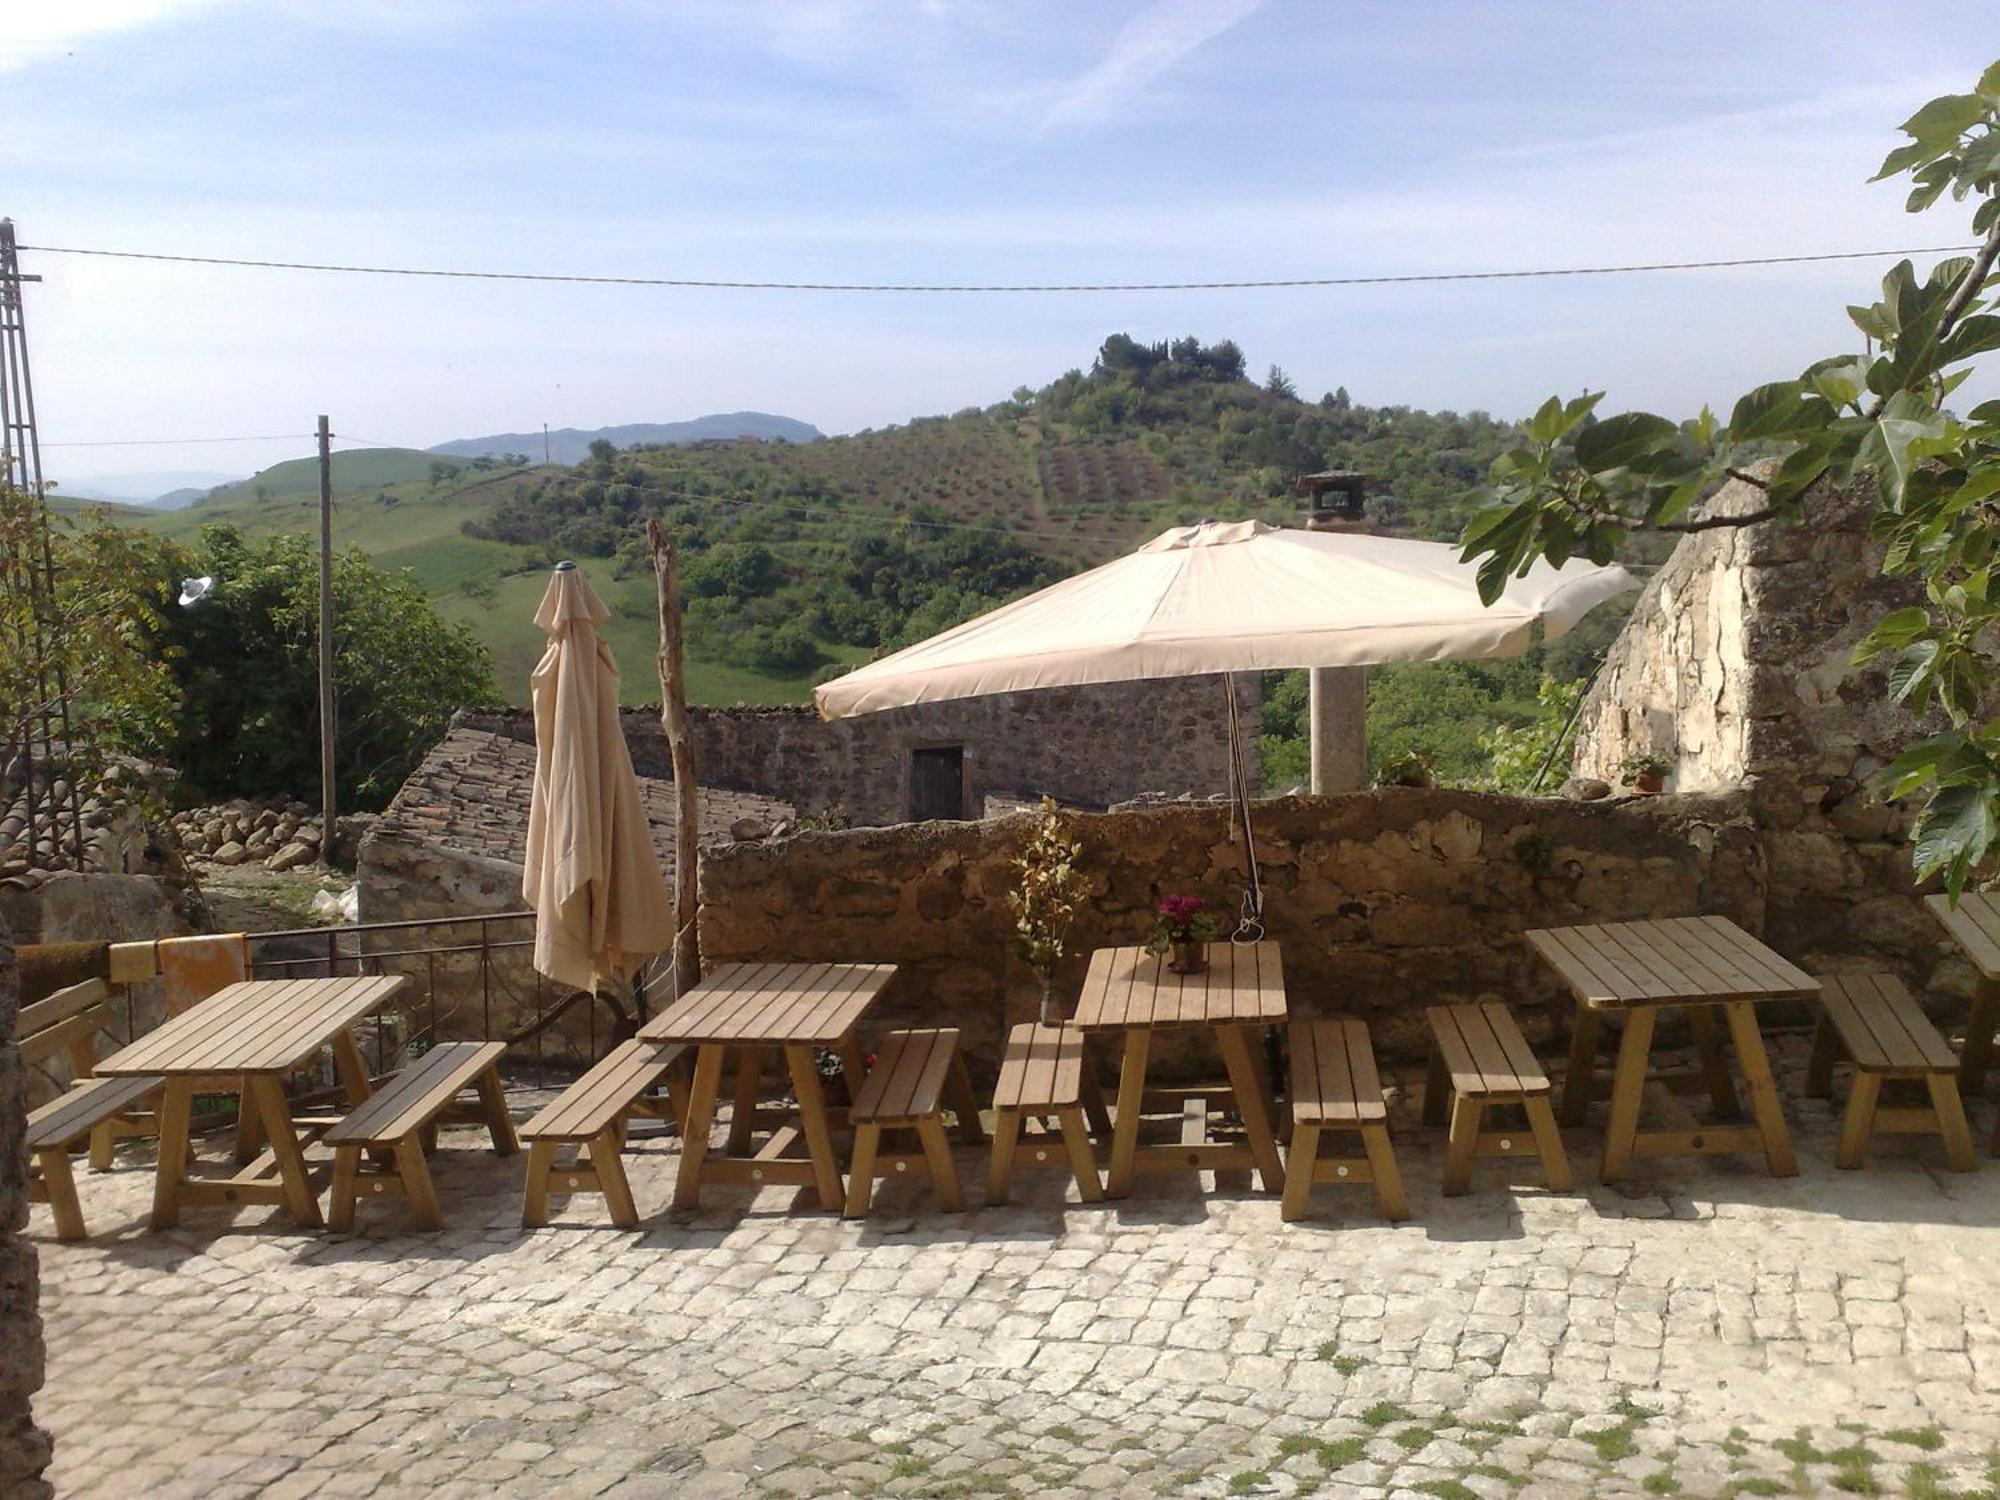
(472, 792)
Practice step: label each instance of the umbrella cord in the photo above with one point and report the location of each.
(1250, 924)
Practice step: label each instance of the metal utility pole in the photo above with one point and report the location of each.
(329, 800)
(38, 743)
(1337, 696)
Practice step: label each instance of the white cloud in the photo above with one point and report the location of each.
(36, 32)
(1146, 47)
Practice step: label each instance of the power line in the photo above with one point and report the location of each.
(703, 284)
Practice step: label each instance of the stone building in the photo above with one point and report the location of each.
(24, 1448)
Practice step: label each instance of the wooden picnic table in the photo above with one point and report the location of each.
(1701, 965)
(1974, 924)
(1242, 990)
(752, 1009)
(260, 1030)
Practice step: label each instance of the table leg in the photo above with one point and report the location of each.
(176, 1113)
(700, 1117)
(1252, 1103)
(1714, 1063)
(300, 1198)
(1763, 1088)
(1125, 1124)
(1978, 1054)
(349, 1065)
(743, 1113)
(818, 1128)
(1580, 1083)
(1628, 1087)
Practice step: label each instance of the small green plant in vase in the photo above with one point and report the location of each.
(1645, 774)
(1050, 894)
(1183, 930)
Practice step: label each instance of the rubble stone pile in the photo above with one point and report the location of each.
(283, 836)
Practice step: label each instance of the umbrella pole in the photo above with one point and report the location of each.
(687, 793)
(1250, 928)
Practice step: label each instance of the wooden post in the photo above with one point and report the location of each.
(329, 800)
(687, 794)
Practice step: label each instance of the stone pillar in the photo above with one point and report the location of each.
(1338, 703)
(24, 1447)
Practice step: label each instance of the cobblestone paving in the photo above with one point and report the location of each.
(1710, 1332)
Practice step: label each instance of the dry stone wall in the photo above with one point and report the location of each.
(1385, 901)
(24, 1448)
(1089, 745)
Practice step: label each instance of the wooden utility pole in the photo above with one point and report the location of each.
(687, 794)
(329, 800)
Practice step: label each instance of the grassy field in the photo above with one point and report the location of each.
(478, 583)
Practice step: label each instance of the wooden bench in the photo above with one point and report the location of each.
(1478, 1059)
(905, 1091)
(1045, 1076)
(65, 1121)
(591, 1114)
(403, 1115)
(1874, 1022)
(1335, 1088)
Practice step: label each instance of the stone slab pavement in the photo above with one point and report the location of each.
(1708, 1331)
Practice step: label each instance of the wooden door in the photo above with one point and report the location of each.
(937, 783)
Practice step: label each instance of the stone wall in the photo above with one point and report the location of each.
(24, 1448)
(1089, 745)
(1736, 661)
(1385, 901)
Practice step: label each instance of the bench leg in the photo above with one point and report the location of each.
(1549, 1145)
(417, 1186)
(1082, 1159)
(1580, 1082)
(944, 1171)
(964, 1103)
(1714, 1062)
(1819, 1062)
(1859, 1121)
(499, 1124)
(59, 1184)
(609, 1165)
(861, 1172)
(1382, 1167)
(1437, 1090)
(1950, 1109)
(1299, 1171)
(1462, 1144)
(345, 1189)
(1000, 1165)
(103, 1145)
(535, 1195)
(1628, 1090)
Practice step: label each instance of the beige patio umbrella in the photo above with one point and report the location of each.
(1235, 596)
(600, 900)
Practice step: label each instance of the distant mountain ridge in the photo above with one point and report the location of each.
(569, 445)
(168, 489)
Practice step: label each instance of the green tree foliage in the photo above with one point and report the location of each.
(1883, 419)
(99, 632)
(245, 663)
(1519, 752)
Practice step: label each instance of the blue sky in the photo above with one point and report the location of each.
(949, 140)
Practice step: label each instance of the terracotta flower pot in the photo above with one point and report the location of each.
(1649, 783)
(1187, 956)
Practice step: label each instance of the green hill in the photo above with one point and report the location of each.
(801, 559)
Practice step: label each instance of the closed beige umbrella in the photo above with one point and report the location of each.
(600, 900)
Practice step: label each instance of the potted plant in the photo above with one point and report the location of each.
(1182, 932)
(1411, 768)
(1645, 773)
(1050, 894)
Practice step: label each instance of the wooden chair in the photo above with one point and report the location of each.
(1875, 1023)
(1479, 1059)
(67, 1024)
(905, 1091)
(402, 1116)
(591, 1114)
(1046, 1076)
(1335, 1088)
